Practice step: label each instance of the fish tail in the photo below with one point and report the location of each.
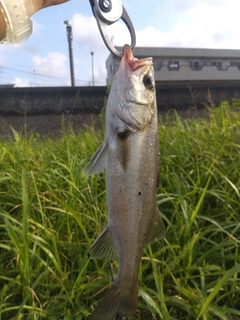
(117, 302)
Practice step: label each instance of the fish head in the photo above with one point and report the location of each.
(134, 91)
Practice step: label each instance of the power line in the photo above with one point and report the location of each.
(13, 73)
(31, 73)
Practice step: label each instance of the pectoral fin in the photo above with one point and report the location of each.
(98, 160)
(123, 148)
(158, 228)
(103, 246)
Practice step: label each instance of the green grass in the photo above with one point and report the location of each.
(50, 213)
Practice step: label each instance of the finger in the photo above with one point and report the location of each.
(48, 3)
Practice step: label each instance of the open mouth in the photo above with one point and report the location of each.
(134, 63)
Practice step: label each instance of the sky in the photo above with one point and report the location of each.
(43, 59)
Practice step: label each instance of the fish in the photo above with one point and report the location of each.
(130, 156)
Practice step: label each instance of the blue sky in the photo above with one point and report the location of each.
(42, 60)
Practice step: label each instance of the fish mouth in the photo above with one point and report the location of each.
(132, 62)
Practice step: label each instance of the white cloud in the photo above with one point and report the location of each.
(189, 7)
(21, 82)
(207, 23)
(37, 28)
(179, 23)
(88, 38)
(119, 34)
(85, 31)
(193, 24)
(54, 64)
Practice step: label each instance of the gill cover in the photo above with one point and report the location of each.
(132, 96)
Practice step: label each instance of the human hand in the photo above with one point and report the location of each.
(33, 6)
(36, 5)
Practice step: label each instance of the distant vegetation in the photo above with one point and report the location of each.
(50, 213)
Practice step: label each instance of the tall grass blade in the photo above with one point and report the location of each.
(217, 287)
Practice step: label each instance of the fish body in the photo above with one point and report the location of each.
(130, 155)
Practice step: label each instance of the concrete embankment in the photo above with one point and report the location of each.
(40, 108)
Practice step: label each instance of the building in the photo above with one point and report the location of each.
(185, 64)
(7, 85)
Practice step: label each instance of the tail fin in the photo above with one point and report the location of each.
(117, 302)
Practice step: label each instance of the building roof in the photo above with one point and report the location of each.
(184, 52)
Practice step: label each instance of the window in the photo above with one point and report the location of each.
(196, 65)
(173, 65)
(157, 65)
(235, 64)
(217, 64)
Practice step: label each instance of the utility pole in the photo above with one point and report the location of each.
(92, 53)
(1, 75)
(70, 38)
(34, 82)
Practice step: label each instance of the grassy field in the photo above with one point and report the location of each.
(50, 213)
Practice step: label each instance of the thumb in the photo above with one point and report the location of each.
(36, 5)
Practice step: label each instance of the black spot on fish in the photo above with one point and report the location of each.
(123, 148)
(123, 134)
(139, 193)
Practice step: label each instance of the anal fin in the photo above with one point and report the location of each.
(158, 228)
(103, 246)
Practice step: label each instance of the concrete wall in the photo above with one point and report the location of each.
(183, 95)
(58, 100)
(51, 100)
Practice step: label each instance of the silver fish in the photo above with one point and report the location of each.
(130, 155)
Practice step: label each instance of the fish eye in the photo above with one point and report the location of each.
(148, 82)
